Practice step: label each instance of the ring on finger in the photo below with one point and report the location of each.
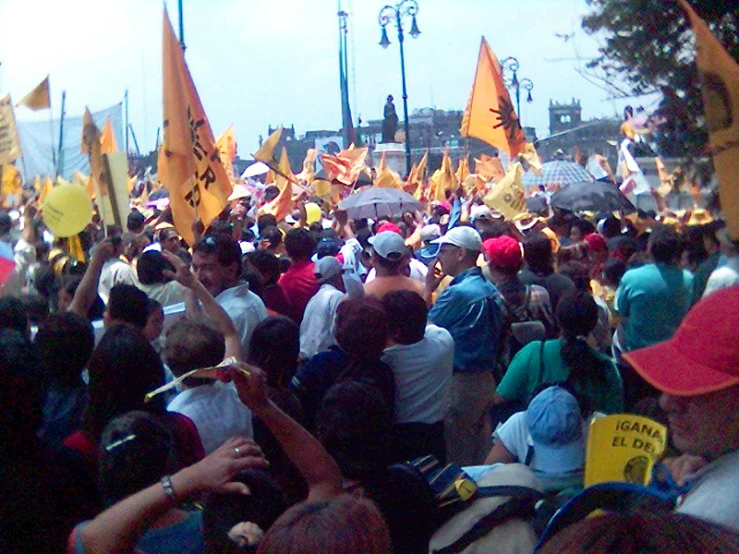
(237, 450)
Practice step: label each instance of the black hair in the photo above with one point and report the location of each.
(665, 244)
(584, 225)
(221, 512)
(264, 221)
(127, 303)
(275, 346)
(537, 251)
(13, 315)
(152, 306)
(65, 342)
(136, 450)
(299, 244)
(135, 221)
(577, 316)
(272, 235)
(354, 425)
(6, 224)
(123, 368)
(150, 267)
(407, 314)
(227, 250)
(191, 345)
(611, 227)
(24, 379)
(265, 263)
(613, 271)
(270, 193)
(578, 272)
(254, 280)
(36, 307)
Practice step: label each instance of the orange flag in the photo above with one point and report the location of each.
(46, 188)
(107, 138)
(489, 115)
(463, 170)
(490, 169)
(193, 174)
(443, 178)
(282, 205)
(386, 177)
(308, 174)
(38, 98)
(720, 82)
(226, 145)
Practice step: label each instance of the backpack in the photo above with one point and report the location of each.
(520, 328)
(452, 492)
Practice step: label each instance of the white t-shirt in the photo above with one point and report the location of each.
(715, 493)
(318, 321)
(115, 272)
(723, 277)
(216, 411)
(423, 376)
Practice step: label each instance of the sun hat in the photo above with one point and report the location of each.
(463, 237)
(703, 354)
(554, 421)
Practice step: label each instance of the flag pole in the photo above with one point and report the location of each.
(51, 127)
(60, 157)
(125, 101)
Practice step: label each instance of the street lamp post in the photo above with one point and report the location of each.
(406, 8)
(511, 64)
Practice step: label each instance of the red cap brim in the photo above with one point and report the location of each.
(666, 368)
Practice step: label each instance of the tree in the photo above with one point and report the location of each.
(650, 45)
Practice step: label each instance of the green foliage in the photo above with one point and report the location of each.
(649, 44)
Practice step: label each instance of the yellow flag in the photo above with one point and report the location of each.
(226, 145)
(532, 158)
(46, 188)
(197, 183)
(489, 115)
(720, 82)
(11, 186)
(91, 144)
(282, 205)
(489, 168)
(38, 98)
(10, 146)
(107, 138)
(463, 170)
(507, 196)
(443, 178)
(85, 182)
(308, 174)
(266, 152)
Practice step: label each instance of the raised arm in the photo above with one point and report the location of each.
(118, 529)
(319, 469)
(86, 292)
(211, 307)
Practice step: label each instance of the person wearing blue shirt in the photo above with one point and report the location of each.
(470, 310)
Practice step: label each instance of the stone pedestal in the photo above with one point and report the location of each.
(394, 156)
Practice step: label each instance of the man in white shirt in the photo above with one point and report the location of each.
(116, 270)
(697, 371)
(213, 406)
(216, 262)
(316, 329)
(422, 358)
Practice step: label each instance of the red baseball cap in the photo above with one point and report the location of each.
(596, 242)
(387, 226)
(702, 356)
(503, 251)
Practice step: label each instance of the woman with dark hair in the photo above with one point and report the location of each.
(361, 335)
(123, 369)
(569, 359)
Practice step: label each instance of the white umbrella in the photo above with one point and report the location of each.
(257, 168)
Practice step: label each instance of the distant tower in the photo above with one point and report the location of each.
(564, 116)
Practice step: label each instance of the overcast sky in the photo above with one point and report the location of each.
(268, 62)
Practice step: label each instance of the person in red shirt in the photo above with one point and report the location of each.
(299, 282)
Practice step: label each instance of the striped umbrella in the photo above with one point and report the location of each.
(557, 172)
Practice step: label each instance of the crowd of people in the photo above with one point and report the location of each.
(260, 389)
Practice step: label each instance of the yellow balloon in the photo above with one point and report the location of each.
(313, 212)
(67, 210)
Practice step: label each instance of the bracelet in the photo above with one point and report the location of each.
(166, 482)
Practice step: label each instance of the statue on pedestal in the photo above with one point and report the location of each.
(390, 121)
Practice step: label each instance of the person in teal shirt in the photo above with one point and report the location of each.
(655, 297)
(592, 376)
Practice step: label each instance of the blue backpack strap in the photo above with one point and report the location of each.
(617, 497)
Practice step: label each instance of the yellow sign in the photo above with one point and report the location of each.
(623, 447)
(10, 147)
(507, 195)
